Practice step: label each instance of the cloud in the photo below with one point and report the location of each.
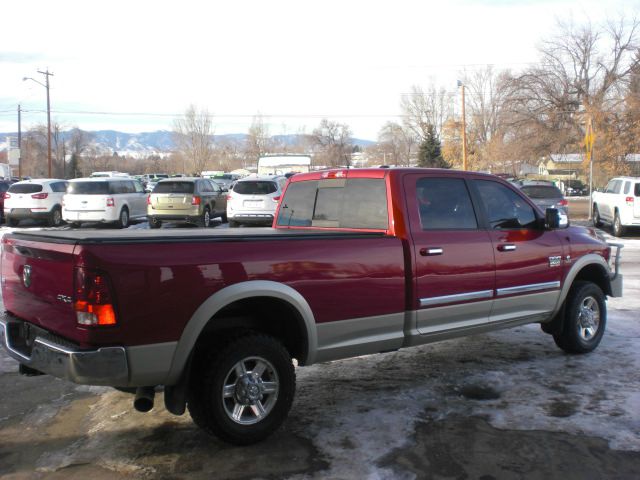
(20, 57)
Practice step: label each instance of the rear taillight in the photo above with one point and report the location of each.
(276, 199)
(148, 199)
(6, 195)
(629, 201)
(563, 202)
(195, 200)
(92, 300)
(40, 196)
(111, 202)
(229, 198)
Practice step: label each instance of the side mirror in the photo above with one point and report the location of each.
(554, 219)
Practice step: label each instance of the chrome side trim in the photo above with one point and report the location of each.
(460, 297)
(534, 287)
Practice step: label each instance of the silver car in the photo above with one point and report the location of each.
(253, 201)
(546, 195)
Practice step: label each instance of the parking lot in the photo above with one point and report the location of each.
(507, 404)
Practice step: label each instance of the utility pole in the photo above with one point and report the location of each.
(464, 130)
(19, 143)
(47, 74)
(588, 143)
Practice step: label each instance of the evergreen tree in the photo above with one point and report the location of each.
(430, 152)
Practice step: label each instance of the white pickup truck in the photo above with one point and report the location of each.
(618, 205)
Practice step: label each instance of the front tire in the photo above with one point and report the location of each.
(242, 392)
(585, 319)
(618, 229)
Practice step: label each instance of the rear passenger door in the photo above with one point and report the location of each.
(453, 257)
(529, 258)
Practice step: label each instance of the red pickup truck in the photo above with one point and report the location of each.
(357, 262)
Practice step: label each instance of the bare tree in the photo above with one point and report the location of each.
(423, 108)
(397, 143)
(193, 135)
(258, 140)
(333, 143)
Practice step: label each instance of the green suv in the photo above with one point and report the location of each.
(191, 200)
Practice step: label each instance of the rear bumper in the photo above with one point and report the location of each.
(174, 218)
(24, 213)
(103, 366)
(251, 218)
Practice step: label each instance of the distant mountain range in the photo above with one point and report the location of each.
(161, 141)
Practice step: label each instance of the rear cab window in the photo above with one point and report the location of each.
(355, 203)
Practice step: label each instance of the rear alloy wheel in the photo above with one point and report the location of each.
(55, 219)
(123, 220)
(242, 393)
(205, 221)
(585, 319)
(597, 221)
(618, 229)
(154, 222)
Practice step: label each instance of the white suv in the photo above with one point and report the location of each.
(618, 205)
(39, 199)
(109, 199)
(253, 200)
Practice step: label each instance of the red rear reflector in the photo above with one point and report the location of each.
(40, 196)
(195, 200)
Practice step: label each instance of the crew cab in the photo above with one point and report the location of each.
(618, 205)
(357, 262)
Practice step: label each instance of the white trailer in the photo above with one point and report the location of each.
(281, 164)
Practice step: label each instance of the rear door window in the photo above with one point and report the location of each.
(25, 188)
(444, 203)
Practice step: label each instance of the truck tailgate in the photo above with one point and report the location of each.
(37, 283)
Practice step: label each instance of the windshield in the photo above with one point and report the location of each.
(542, 191)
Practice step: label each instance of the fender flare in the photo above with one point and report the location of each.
(239, 291)
(584, 261)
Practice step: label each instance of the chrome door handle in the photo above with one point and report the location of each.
(430, 252)
(508, 247)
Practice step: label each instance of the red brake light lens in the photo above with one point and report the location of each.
(148, 199)
(111, 202)
(629, 200)
(195, 200)
(276, 199)
(6, 195)
(40, 196)
(563, 202)
(92, 300)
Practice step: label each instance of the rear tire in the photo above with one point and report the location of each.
(75, 224)
(205, 220)
(618, 228)
(233, 224)
(55, 219)
(223, 217)
(12, 222)
(585, 319)
(123, 219)
(597, 221)
(154, 222)
(242, 392)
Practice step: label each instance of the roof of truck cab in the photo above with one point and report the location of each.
(380, 173)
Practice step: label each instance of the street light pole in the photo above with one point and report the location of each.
(47, 74)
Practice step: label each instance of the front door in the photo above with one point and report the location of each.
(454, 260)
(529, 258)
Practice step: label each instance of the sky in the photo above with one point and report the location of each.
(136, 65)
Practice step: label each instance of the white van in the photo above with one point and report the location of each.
(104, 199)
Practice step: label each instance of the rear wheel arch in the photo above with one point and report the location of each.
(262, 306)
